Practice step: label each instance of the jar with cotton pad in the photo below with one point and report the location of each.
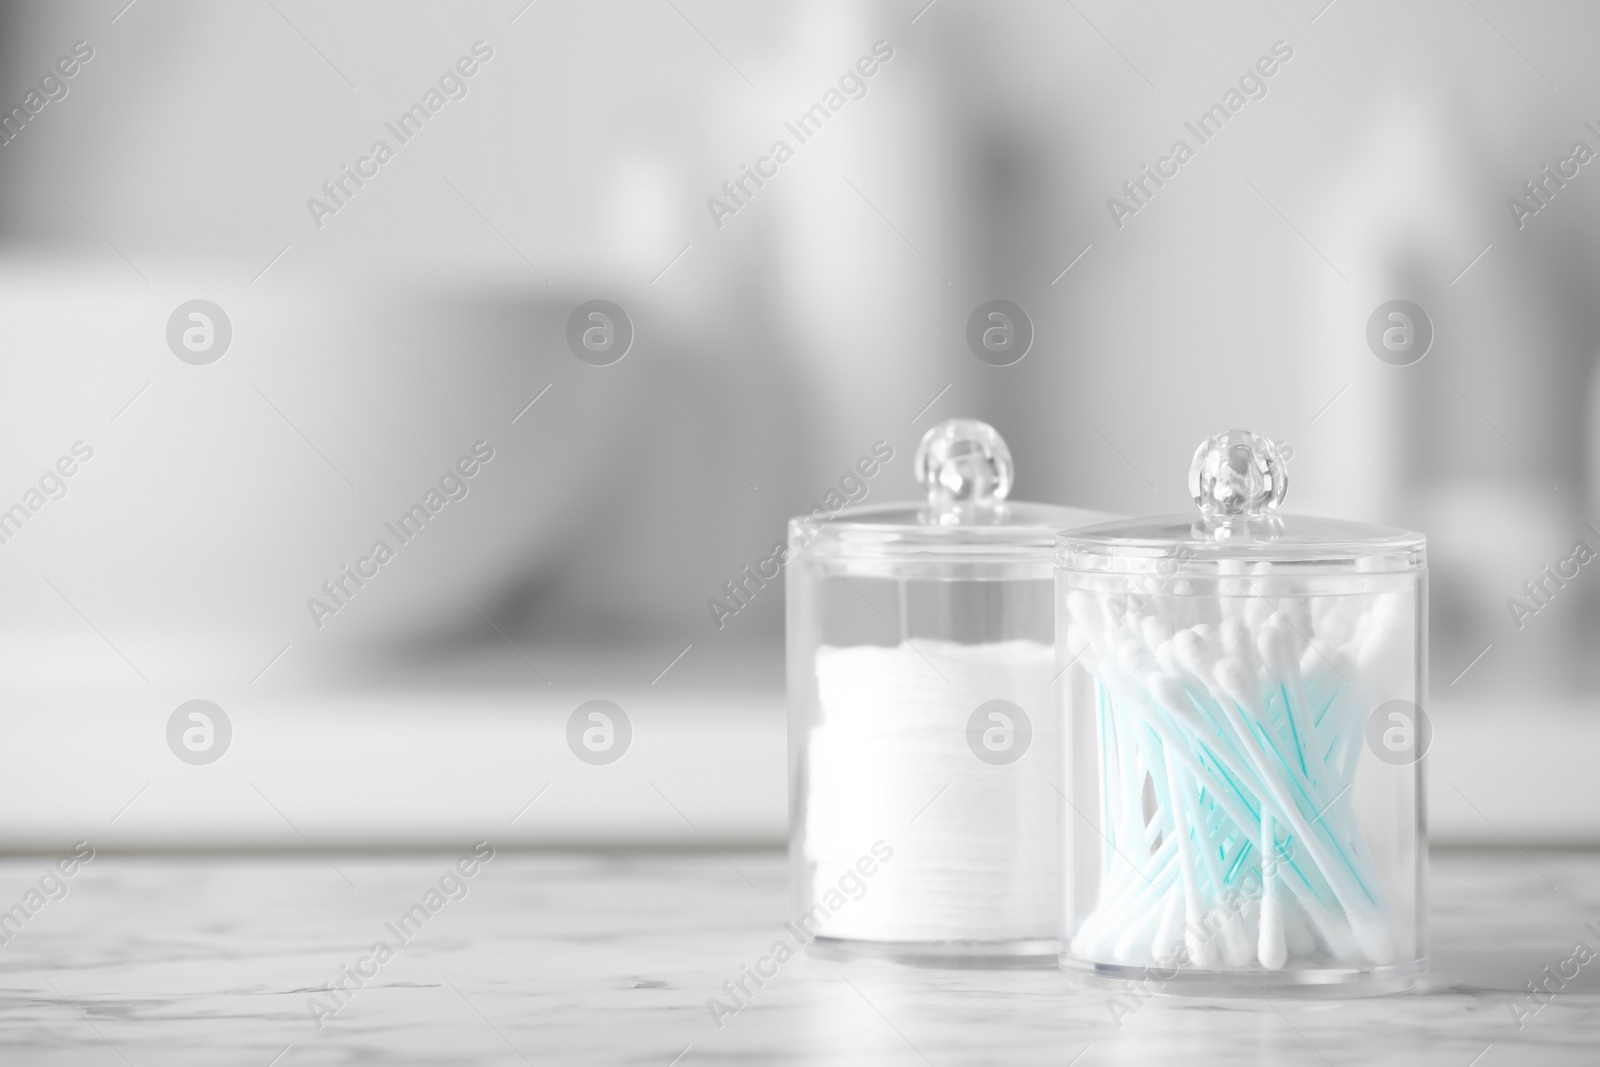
(923, 750)
(1244, 742)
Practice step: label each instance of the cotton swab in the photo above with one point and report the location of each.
(1201, 951)
(1244, 724)
(1235, 943)
(1277, 654)
(1172, 697)
(1340, 879)
(1169, 935)
(1271, 950)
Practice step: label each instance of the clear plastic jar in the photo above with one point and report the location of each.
(922, 740)
(1244, 742)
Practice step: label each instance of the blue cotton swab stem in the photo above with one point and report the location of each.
(1088, 617)
(1252, 657)
(1100, 933)
(1331, 927)
(1145, 929)
(1131, 863)
(1271, 949)
(1335, 865)
(1335, 931)
(1183, 703)
(1212, 726)
(1125, 820)
(1235, 945)
(1132, 771)
(1164, 896)
(1230, 689)
(1201, 950)
(1358, 901)
(1153, 756)
(1171, 697)
(1238, 692)
(1251, 740)
(1278, 655)
(1337, 726)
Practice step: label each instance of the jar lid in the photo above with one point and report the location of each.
(1238, 479)
(966, 470)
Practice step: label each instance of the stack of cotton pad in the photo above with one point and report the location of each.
(980, 861)
(1229, 732)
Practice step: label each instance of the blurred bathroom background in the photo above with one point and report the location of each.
(374, 345)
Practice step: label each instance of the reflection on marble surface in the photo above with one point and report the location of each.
(610, 958)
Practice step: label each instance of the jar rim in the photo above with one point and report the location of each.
(1287, 539)
(912, 528)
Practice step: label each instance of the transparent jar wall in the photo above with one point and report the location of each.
(1246, 793)
(889, 664)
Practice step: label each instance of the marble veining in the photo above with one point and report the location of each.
(610, 958)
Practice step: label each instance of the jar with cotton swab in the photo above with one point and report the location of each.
(1244, 742)
(922, 739)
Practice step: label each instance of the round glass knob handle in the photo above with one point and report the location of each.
(963, 463)
(1238, 475)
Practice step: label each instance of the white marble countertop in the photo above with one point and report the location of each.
(610, 958)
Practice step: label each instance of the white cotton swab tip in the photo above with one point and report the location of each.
(1167, 656)
(1155, 631)
(1236, 642)
(1273, 948)
(1193, 651)
(1273, 645)
(1236, 947)
(1373, 938)
(1135, 658)
(1174, 700)
(1169, 935)
(1134, 944)
(1297, 932)
(1335, 630)
(1236, 680)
